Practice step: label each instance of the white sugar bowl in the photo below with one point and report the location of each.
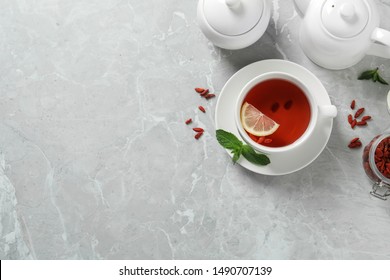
(233, 24)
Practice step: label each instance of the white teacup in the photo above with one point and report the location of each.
(316, 111)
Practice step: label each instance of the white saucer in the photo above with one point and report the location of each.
(290, 161)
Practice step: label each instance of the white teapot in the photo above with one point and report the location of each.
(337, 34)
(233, 24)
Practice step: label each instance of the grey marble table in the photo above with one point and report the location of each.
(97, 163)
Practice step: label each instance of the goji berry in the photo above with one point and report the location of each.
(353, 104)
(261, 139)
(359, 112)
(254, 138)
(198, 135)
(204, 93)
(275, 107)
(353, 124)
(366, 118)
(199, 90)
(354, 140)
(288, 104)
(350, 119)
(355, 145)
(198, 129)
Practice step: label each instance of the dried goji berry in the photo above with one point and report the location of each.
(366, 118)
(199, 89)
(356, 144)
(197, 136)
(204, 93)
(353, 124)
(354, 140)
(275, 107)
(288, 104)
(378, 152)
(350, 119)
(359, 112)
(353, 104)
(261, 139)
(254, 138)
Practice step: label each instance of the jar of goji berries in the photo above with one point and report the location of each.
(376, 163)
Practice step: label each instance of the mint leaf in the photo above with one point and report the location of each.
(236, 154)
(375, 77)
(372, 75)
(367, 75)
(231, 142)
(228, 140)
(381, 80)
(252, 156)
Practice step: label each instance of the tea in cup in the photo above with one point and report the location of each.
(276, 112)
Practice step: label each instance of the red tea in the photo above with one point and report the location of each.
(286, 104)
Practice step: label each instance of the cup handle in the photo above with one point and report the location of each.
(329, 111)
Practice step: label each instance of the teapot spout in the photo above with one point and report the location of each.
(301, 6)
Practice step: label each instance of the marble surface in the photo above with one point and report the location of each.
(97, 163)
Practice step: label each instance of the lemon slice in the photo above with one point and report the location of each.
(255, 122)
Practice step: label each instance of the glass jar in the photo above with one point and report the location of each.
(376, 164)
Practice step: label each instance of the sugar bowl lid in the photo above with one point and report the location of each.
(233, 17)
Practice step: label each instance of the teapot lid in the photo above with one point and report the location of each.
(233, 17)
(345, 18)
